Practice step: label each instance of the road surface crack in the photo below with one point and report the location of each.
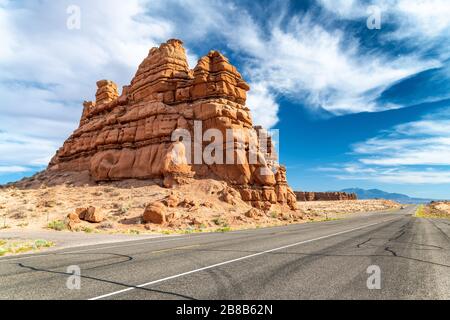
(363, 243)
(388, 249)
(106, 281)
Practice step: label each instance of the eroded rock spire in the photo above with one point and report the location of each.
(131, 135)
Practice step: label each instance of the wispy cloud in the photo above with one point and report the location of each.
(12, 169)
(431, 176)
(23, 150)
(416, 152)
(299, 55)
(426, 20)
(425, 142)
(264, 105)
(326, 69)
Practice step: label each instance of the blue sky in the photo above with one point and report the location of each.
(355, 107)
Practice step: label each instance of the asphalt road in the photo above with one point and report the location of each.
(326, 260)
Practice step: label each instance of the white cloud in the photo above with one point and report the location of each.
(12, 169)
(263, 104)
(424, 142)
(305, 61)
(325, 69)
(347, 168)
(428, 18)
(347, 9)
(430, 176)
(22, 150)
(413, 18)
(53, 69)
(416, 152)
(6, 36)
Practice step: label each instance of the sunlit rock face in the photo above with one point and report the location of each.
(131, 135)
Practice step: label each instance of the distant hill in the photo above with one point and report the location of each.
(379, 194)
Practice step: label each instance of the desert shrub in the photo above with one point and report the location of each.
(18, 213)
(189, 230)
(40, 243)
(420, 211)
(106, 225)
(218, 221)
(223, 229)
(123, 209)
(47, 204)
(57, 225)
(87, 229)
(23, 248)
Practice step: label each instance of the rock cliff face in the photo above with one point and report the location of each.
(325, 196)
(131, 135)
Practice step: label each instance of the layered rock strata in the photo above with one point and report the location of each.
(325, 196)
(131, 135)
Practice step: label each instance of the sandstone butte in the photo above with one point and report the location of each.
(128, 135)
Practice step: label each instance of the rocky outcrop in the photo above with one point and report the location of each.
(438, 209)
(155, 213)
(90, 214)
(131, 135)
(325, 196)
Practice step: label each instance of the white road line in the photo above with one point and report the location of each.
(135, 242)
(234, 260)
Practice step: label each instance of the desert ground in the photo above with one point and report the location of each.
(435, 209)
(204, 205)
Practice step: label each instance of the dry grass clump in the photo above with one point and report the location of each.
(10, 247)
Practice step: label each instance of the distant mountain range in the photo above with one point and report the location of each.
(379, 194)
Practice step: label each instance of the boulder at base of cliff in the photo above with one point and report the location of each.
(155, 213)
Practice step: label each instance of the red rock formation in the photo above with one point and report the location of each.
(130, 136)
(325, 196)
